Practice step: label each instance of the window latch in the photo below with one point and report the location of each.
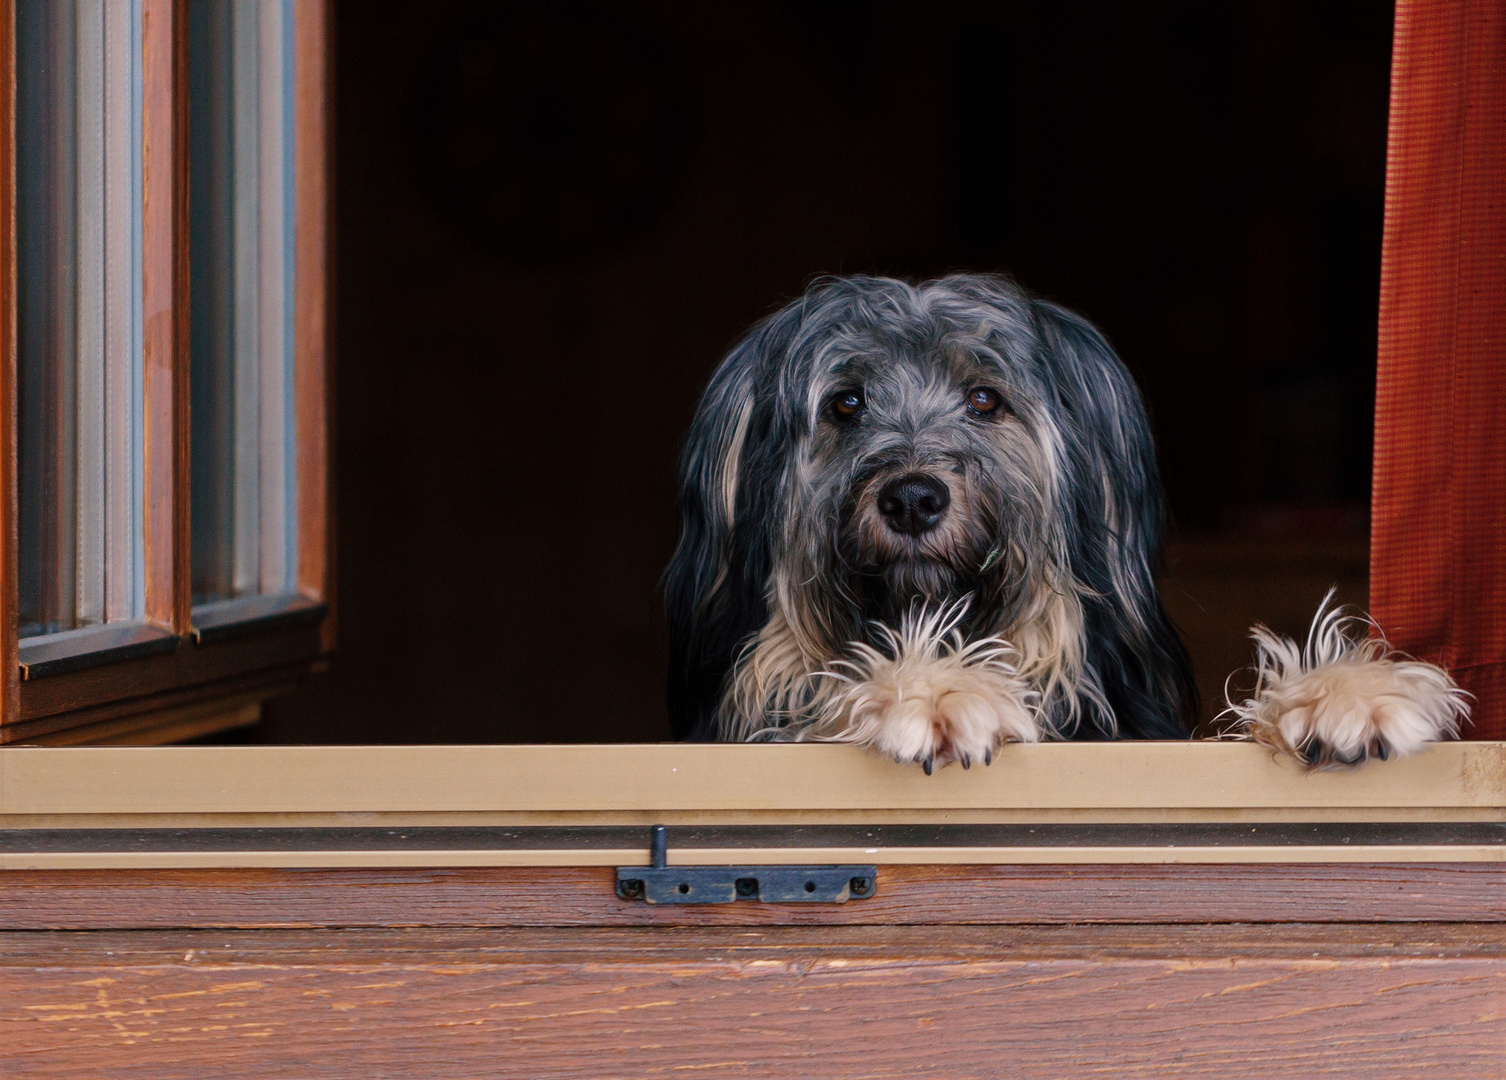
(660, 883)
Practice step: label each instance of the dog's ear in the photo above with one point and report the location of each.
(715, 586)
(1116, 532)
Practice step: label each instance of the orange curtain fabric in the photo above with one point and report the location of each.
(1438, 519)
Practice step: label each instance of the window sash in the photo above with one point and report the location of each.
(81, 295)
(44, 687)
(243, 65)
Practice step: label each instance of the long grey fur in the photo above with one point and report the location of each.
(1057, 518)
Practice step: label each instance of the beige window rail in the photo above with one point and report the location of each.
(591, 805)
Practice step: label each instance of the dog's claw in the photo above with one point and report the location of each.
(988, 757)
(966, 761)
(928, 763)
(1310, 752)
(1382, 751)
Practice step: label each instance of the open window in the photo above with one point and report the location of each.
(555, 221)
(169, 567)
(553, 218)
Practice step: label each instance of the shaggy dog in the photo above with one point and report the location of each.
(925, 519)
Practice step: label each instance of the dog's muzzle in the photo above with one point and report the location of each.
(913, 504)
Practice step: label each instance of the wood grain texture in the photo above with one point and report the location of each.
(907, 895)
(164, 726)
(313, 360)
(1205, 1002)
(164, 278)
(161, 681)
(83, 727)
(10, 667)
(1450, 781)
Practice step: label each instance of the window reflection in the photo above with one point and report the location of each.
(78, 150)
(240, 223)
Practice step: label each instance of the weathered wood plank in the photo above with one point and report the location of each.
(915, 895)
(1224, 1002)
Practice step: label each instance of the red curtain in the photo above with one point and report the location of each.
(1438, 526)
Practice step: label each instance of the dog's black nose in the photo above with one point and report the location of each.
(913, 504)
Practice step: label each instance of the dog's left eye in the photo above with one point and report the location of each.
(847, 403)
(982, 400)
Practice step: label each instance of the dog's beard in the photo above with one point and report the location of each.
(887, 592)
(884, 592)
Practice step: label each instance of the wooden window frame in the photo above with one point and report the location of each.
(215, 676)
(171, 677)
(1204, 908)
(592, 805)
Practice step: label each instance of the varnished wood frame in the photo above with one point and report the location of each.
(79, 705)
(962, 1002)
(313, 291)
(10, 669)
(164, 274)
(953, 894)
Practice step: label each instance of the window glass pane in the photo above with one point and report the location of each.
(241, 326)
(78, 180)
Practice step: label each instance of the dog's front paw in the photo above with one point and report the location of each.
(963, 720)
(934, 700)
(1343, 699)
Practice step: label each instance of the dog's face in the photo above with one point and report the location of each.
(925, 479)
(876, 448)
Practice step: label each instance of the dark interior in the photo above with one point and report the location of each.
(553, 219)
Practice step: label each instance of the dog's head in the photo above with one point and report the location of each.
(927, 468)
(877, 446)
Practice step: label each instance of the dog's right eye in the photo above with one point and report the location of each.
(847, 404)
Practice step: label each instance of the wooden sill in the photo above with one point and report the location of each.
(92, 646)
(259, 665)
(228, 619)
(1139, 787)
(161, 727)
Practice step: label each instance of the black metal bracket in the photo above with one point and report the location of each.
(660, 883)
